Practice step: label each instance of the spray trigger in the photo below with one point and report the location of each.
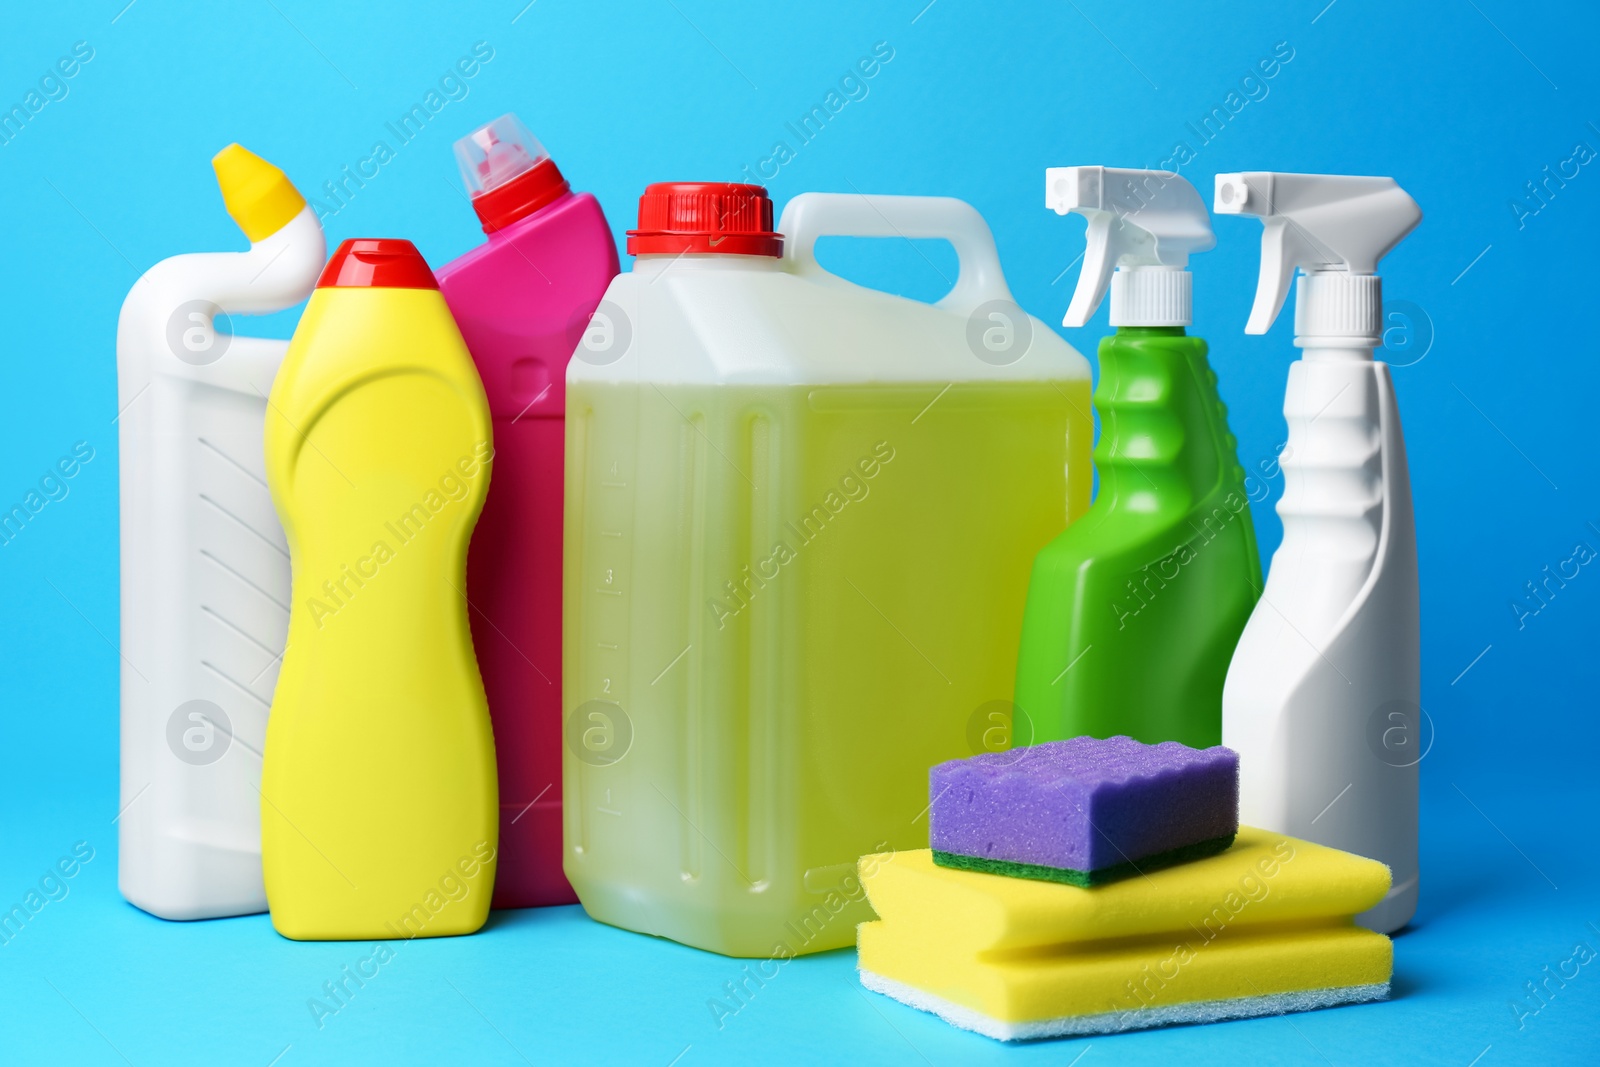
(1139, 220)
(1315, 222)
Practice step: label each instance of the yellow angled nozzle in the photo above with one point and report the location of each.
(259, 196)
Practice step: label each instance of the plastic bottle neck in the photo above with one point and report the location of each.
(653, 264)
(1333, 350)
(502, 230)
(1152, 331)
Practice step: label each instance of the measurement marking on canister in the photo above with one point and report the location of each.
(608, 811)
(608, 648)
(610, 592)
(614, 485)
(610, 533)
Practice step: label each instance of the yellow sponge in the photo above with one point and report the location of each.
(1262, 928)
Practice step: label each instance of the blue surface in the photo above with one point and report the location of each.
(1463, 102)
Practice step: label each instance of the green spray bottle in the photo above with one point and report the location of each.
(1134, 610)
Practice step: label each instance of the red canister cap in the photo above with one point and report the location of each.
(378, 263)
(724, 217)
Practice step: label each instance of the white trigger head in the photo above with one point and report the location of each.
(1141, 221)
(1315, 222)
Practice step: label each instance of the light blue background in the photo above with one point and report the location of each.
(1464, 101)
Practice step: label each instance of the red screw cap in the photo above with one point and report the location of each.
(724, 217)
(377, 263)
(520, 197)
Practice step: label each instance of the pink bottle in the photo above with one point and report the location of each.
(522, 300)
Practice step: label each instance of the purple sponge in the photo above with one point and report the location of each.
(1084, 811)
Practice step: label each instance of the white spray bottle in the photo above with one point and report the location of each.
(205, 568)
(1321, 700)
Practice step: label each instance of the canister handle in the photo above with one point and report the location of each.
(813, 215)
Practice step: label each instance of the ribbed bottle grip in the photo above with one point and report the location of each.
(1333, 460)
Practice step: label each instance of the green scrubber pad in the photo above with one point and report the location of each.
(1085, 879)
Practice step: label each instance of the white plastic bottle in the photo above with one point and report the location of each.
(1321, 701)
(205, 569)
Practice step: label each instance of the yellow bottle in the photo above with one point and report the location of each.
(378, 790)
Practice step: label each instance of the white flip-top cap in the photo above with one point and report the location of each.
(1336, 228)
(1143, 226)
